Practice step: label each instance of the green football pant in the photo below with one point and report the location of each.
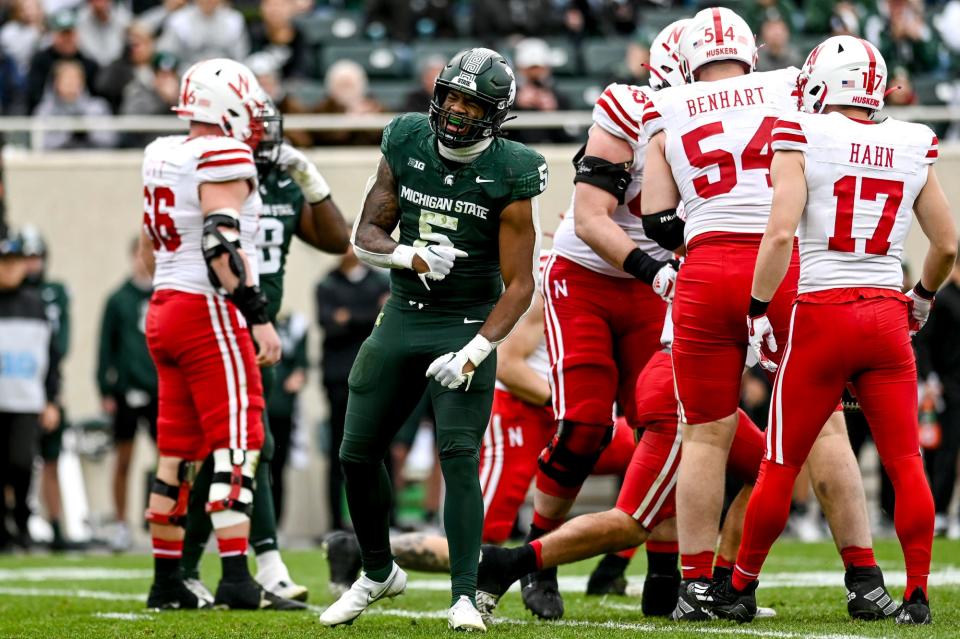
(387, 380)
(263, 519)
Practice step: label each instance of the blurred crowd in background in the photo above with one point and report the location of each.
(100, 57)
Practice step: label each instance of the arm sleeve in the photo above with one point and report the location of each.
(52, 381)
(617, 110)
(105, 363)
(62, 335)
(788, 135)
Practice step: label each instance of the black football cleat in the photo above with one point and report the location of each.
(660, 594)
(541, 594)
(730, 603)
(173, 595)
(867, 597)
(693, 601)
(343, 558)
(915, 610)
(608, 578)
(281, 604)
(492, 580)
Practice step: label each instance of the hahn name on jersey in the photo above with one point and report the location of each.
(862, 181)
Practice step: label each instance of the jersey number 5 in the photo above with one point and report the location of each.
(156, 219)
(845, 190)
(756, 155)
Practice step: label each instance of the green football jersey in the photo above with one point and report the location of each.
(279, 220)
(462, 202)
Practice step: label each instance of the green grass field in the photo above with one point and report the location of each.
(103, 596)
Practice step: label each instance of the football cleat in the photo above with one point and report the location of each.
(765, 613)
(288, 590)
(693, 601)
(343, 558)
(730, 603)
(915, 610)
(491, 580)
(249, 595)
(173, 595)
(541, 594)
(199, 589)
(608, 578)
(464, 616)
(867, 597)
(361, 594)
(660, 594)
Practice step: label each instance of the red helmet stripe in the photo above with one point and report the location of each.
(717, 26)
(872, 70)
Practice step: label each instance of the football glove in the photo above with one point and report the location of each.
(665, 282)
(448, 368)
(438, 257)
(304, 173)
(760, 331)
(919, 311)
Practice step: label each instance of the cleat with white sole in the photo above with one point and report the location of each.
(361, 594)
(199, 589)
(765, 613)
(286, 589)
(465, 617)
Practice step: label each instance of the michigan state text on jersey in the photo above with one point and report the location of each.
(462, 275)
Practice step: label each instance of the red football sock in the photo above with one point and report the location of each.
(663, 546)
(913, 518)
(627, 554)
(857, 557)
(537, 546)
(722, 562)
(166, 549)
(698, 566)
(233, 547)
(767, 514)
(545, 523)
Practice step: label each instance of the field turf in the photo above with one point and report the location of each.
(103, 596)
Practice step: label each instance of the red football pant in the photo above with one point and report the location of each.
(648, 493)
(867, 343)
(601, 330)
(710, 319)
(210, 393)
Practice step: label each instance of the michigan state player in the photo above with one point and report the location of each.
(462, 276)
(296, 202)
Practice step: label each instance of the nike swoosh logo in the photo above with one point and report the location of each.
(480, 180)
(283, 183)
(470, 321)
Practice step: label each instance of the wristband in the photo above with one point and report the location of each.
(642, 266)
(922, 292)
(477, 349)
(757, 308)
(251, 303)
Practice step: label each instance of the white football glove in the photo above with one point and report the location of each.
(439, 257)
(448, 368)
(759, 331)
(304, 173)
(665, 282)
(919, 311)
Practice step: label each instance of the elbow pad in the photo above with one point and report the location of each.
(216, 242)
(665, 228)
(603, 174)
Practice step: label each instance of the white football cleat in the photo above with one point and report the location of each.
(765, 613)
(287, 590)
(200, 590)
(464, 616)
(362, 593)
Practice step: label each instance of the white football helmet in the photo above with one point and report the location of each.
(713, 35)
(843, 71)
(223, 92)
(664, 64)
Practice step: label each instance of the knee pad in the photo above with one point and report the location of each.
(570, 456)
(180, 493)
(231, 487)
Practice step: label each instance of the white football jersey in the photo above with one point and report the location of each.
(174, 167)
(538, 360)
(718, 146)
(862, 180)
(617, 111)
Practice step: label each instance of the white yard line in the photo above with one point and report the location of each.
(125, 616)
(72, 574)
(66, 592)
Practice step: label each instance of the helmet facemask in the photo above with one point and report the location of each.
(468, 130)
(267, 152)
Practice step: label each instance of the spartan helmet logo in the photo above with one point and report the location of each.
(448, 180)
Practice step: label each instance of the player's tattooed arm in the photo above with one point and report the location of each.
(323, 227)
(419, 551)
(380, 214)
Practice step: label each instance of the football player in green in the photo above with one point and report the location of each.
(296, 202)
(462, 275)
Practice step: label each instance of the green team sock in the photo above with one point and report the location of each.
(463, 521)
(263, 520)
(369, 496)
(198, 526)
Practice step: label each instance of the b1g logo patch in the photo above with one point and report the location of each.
(417, 164)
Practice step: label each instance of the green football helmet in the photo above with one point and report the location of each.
(484, 75)
(267, 152)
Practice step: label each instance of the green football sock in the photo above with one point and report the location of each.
(198, 526)
(369, 496)
(463, 521)
(263, 520)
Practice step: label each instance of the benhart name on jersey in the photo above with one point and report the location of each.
(443, 203)
(722, 100)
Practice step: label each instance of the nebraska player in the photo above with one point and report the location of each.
(851, 184)
(200, 224)
(709, 146)
(604, 290)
